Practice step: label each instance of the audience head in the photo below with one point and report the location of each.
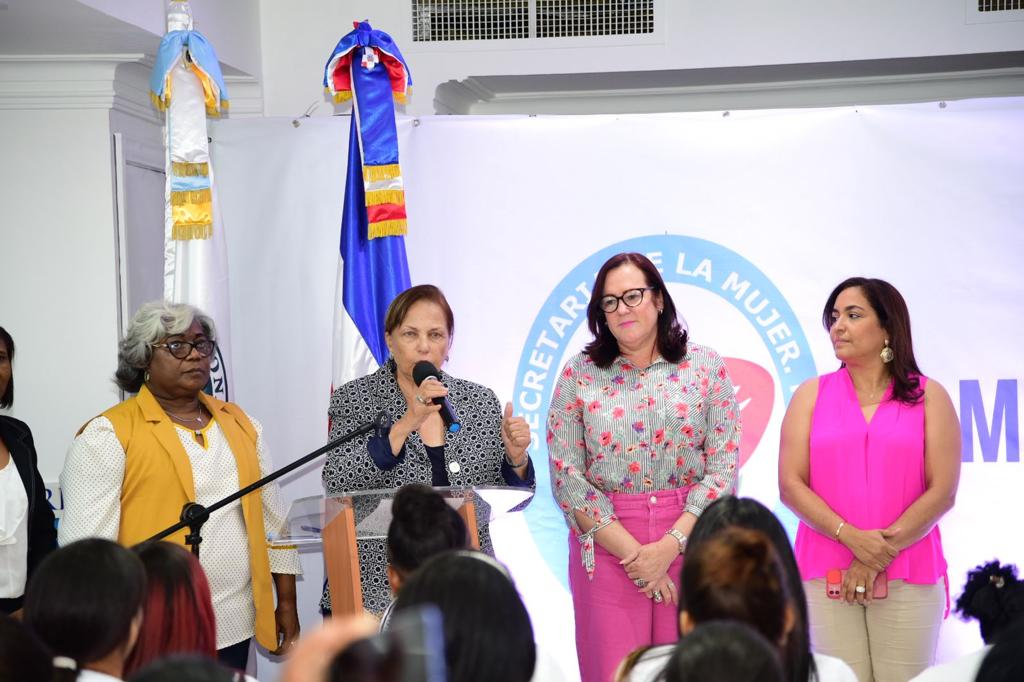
(6, 370)
(190, 668)
(736, 575)
(487, 631)
(22, 655)
(422, 524)
(178, 615)
(1003, 662)
(724, 651)
(993, 596)
(744, 512)
(85, 603)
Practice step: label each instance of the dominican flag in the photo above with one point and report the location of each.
(371, 272)
(367, 67)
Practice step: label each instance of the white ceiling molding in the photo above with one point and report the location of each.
(117, 82)
(767, 87)
(87, 81)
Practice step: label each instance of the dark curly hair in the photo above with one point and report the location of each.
(993, 596)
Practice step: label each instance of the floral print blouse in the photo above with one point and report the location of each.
(627, 430)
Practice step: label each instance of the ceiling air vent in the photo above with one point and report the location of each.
(436, 21)
(999, 5)
(449, 20)
(578, 18)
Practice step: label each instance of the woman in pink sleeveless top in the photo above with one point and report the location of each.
(869, 461)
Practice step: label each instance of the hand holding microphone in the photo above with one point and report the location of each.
(433, 393)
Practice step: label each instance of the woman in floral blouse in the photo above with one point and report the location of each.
(643, 434)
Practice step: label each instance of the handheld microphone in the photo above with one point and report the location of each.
(424, 371)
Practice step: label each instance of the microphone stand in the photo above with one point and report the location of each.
(194, 515)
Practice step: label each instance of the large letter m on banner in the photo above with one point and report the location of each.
(1004, 419)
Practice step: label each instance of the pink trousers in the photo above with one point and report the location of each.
(613, 617)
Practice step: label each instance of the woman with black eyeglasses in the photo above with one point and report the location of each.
(643, 433)
(130, 471)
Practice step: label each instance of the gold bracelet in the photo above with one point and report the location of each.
(839, 528)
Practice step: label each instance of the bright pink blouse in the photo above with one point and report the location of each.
(868, 473)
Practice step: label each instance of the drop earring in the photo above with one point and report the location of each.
(886, 353)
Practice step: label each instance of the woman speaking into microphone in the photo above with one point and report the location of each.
(426, 442)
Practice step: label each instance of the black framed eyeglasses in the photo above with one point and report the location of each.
(632, 298)
(182, 349)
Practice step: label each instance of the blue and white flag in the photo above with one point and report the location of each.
(187, 85)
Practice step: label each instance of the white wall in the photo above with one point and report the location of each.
(232, 26)
(57, 281)
(298, 37)
(58, 278)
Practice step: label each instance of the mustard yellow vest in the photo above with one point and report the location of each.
(158, 482)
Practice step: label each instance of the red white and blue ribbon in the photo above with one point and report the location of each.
(367, 67)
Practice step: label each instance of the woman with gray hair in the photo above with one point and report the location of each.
(130, 471)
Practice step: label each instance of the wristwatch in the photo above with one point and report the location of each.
(680, 538)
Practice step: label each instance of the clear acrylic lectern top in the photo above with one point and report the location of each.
(308, 516)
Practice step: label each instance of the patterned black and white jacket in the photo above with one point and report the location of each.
(474, 456)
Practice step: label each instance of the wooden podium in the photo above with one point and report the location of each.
(339, 521)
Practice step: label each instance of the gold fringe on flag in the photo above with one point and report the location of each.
(388, 228)
(400, 97)
(188, 231)
(191, 215)
(343, 96)
(183, 168)
(378, 173)
(192, 196)
(157, 102)
(385, 196)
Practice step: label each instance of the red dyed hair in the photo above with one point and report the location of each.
(178, 611)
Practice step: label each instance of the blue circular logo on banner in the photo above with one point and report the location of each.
(681, 260)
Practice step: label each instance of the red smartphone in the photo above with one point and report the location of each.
(834, 585)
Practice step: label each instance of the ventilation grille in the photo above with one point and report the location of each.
(455, 20)
(999, 5)
(576, 18)
(445, 20)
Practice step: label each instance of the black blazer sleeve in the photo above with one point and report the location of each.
(42, 533)
(42, 529)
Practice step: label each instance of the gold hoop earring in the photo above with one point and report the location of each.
(886, 353)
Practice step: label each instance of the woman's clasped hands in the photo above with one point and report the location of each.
(647, 566)
(871, 547)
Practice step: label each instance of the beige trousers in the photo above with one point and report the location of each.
(889, 640)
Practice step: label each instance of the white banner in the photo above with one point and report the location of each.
(753, 218)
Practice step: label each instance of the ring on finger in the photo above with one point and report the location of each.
(657, 596)
(860, 589)
(420, 399)
(640, 582)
